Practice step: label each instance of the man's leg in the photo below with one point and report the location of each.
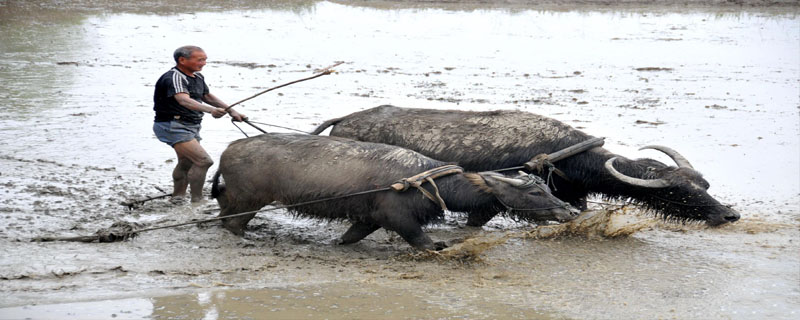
(180, 175)
(193, 163)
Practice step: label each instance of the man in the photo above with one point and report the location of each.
(179, 97)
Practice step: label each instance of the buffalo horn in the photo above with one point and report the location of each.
(647, 183)
(677, 157)
(512, 181)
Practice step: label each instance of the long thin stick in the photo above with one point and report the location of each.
(322, 72)
(134, 203)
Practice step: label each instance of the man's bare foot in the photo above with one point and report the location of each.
(198, 202)
(177, 200)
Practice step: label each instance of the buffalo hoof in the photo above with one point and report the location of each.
(236, 229)
(439, 245)
(477, 220)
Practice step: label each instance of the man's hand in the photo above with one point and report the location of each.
(236, 116)
(218, 112)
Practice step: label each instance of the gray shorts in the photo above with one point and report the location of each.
(174, 132)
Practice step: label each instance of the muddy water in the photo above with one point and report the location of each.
(719, 84)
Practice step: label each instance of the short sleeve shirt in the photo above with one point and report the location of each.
(171, 83)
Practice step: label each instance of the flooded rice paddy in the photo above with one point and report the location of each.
(719, 84)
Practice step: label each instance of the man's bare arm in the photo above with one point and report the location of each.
(186, 101)
(217, 102)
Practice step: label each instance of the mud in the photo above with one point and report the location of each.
(718, 82)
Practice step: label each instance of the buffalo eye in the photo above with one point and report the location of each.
(535, 192)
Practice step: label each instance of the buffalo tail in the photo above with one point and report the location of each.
(325, 125)
(216, 188)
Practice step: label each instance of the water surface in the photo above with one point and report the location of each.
(719, 85)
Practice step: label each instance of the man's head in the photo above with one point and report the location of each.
(190, 58)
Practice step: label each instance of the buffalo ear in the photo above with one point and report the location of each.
(498, 181)
(479, 180)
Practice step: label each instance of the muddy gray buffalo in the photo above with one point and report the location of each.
(295, 168)
(505, 138)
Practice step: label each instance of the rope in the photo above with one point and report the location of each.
(277, 126)
(240, 129)
(417, 181)
(264, 210)
(436, 189)
(430, 174)
(251, 123)
(533, 180)
(518, 209)
(550, 179)
(128, 234)
(404, 184)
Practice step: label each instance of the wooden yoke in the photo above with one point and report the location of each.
(540, 161)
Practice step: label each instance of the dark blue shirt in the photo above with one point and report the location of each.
(173, 82)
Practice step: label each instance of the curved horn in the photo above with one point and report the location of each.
(512, 181)
(654, 183)
(677, 157)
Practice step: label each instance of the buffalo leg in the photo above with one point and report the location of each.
(412, 233)
(575, 201)
(417, 238)
(237, 224)
(479, 218)
(579, 203)
(571, 194)
(404, 223)
(358, 231)
(408, 228)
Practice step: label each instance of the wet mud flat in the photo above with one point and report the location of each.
(622, 263)
(67, 163)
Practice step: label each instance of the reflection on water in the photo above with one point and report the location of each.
(109, 309)
(76, 80)
(316, 302)
(331, 301)
(54, 10)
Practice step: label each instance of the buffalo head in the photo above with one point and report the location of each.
(674, 192)
(527, 197)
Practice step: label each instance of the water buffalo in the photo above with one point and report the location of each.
(493, 140)
(294, 168)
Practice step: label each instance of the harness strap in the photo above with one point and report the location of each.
(417, 180)
(542, 160)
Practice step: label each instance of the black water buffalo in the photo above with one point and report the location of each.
(294, 168)
(493, 140)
